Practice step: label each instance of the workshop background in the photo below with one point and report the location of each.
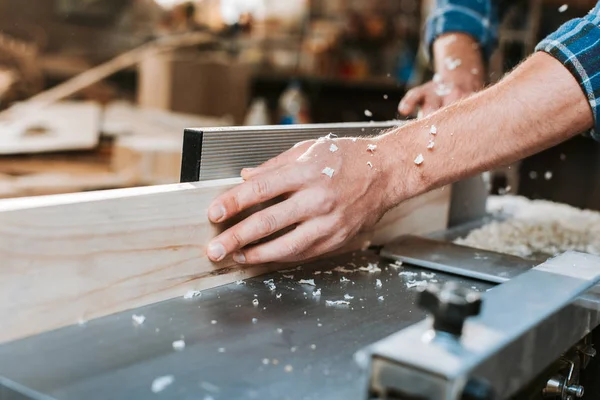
(106, 87)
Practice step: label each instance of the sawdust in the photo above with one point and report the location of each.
(178, 345)
(190, 294)
(159, 384)
(537, 228)
(328, 171)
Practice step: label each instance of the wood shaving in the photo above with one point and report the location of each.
(310, 282)
(548, 175)
(343, 279)
(451, 64)
(419, 160)
(443, 90)
(328, 272)
(178, 345)
(369, 164)
(337, 302)
(254, 320)
(316, 293)
(408, 274)
(333, 148)
(380, 298)
(214, 322)
(385, 96)
(270, 284)
(278, 296)
(433, 130)
(397, 264)
(563, 8)
(288, 368)
(354, 139)
(265, 361)
(427, 275)
(344, 270)
(255, 302)
(378, 283)
(138, 319)
(371, 147)
(412, 284)
(537, 228)
(221, 349)
(191, 294)
(288, 276)
(159, 384)
(313, 346)
(371, 268)
(240, 282)
(348, 297)
(431, 145)
(368, 113)
(317, 273)
(328, 171)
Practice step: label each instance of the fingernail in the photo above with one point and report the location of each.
(216, 251)
(216, 213)
(239, 257)
(402, 107)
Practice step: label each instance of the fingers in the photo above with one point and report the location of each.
(252, 192)
(292, 246)
(276, 162)
(255, 227)
(431, 104)
(411, 100)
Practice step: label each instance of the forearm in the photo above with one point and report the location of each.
(458, 60)
(540, 104)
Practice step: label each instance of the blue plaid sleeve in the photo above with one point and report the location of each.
(576, 44)
(477, 18)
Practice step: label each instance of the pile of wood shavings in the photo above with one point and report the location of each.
(537, 228)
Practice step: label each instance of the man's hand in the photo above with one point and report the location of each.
(436, 94)
(459, 73)
(333, 188)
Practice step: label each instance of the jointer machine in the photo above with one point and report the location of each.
(416, 318)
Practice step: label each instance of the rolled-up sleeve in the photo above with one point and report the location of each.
(576, 44)
(477, 18)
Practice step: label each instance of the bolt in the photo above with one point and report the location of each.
(575, 390)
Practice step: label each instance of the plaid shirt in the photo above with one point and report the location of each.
(576, 44)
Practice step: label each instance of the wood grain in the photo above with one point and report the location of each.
(86, 255)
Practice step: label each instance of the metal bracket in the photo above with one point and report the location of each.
(525, 325)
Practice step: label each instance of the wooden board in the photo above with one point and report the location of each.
(61, 126)
(75, 257)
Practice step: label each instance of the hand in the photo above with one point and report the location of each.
(326, 211)
(436, 94)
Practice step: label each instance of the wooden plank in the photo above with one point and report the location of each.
(86, 255)
(61, 126)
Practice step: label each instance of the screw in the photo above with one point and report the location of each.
(575, 390)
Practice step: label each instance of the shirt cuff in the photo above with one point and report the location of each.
(576, 44)
(479, 24)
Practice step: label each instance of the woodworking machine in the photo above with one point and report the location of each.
(425, 319)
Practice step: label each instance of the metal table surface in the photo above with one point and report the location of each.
(227, 355)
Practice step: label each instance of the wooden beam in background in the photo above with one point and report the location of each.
(81, 256)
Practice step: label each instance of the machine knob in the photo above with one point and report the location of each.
(450, 305)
